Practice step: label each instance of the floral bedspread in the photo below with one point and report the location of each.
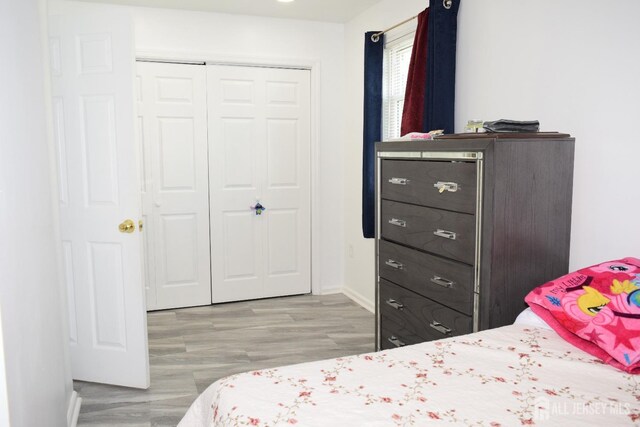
(515, 375)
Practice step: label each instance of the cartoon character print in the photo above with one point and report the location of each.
(615, 267)
(592, 301)
(609, 290)
(587, 304)
(626, 299)
(603, 275)
(634, 297)
(600, 306)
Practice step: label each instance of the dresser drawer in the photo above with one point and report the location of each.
(405, 311)
(421, 182)
(447, 282)
(450, 234)
(393, 335)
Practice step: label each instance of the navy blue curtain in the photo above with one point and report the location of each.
(372, 130)
(440, 91)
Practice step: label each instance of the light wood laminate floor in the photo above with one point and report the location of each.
(191, 348)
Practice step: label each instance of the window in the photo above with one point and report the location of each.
(397, 55)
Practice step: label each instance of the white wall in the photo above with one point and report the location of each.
(574, 65)
(250, 39)
(38, 383)
(360, 252)
(571, 64)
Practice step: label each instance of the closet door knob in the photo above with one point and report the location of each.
(258, 208)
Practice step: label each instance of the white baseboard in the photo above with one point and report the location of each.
(74, 409)
(358, 298)
(331, 291)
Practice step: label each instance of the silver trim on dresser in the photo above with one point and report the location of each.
(478, 260)
(378, 179)
(452, 155)
(400, 154)
(433, 155)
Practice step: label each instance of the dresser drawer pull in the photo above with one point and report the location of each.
(446, 234)
(394, 264)
(440, 327)
(398, 222)
(395, 304)
(446, 186)
(445, 283)
(395, 341)
(399, 181)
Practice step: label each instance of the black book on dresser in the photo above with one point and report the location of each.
(466, 226)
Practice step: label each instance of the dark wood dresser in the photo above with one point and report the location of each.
(466, 226)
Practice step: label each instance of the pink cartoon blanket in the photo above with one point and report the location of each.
(597, 309)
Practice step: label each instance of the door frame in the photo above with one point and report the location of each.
(313, 65)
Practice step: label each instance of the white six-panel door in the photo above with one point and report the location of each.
(259, 151)
(92, 79)
(172, 126)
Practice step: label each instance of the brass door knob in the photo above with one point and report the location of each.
(128, 226)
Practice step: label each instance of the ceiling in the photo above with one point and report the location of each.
(315, 10)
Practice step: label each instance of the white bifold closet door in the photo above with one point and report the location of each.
(259, 151)
(172, 126)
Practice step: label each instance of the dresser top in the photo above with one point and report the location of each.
(473, 141)
(506, 135)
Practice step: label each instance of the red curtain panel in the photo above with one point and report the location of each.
(413, 112)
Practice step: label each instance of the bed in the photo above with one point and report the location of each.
(572, 358)
(522, 374)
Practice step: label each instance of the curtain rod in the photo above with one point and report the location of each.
(376, 37)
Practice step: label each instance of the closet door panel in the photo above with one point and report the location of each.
(177, 148)
(173, 108)
(259, 148)
(287, 182)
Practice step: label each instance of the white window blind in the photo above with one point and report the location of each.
(397, 55)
